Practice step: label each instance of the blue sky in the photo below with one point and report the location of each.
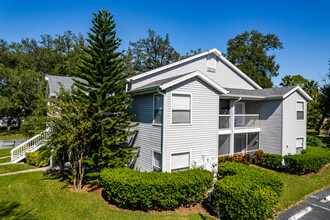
(302, 26)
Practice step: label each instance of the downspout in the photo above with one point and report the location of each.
(164, 128)
(232, 125)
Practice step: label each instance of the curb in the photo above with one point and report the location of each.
(301, 213)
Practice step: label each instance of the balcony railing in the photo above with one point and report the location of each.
(241, 121)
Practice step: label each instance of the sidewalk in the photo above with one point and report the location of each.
(26, 171)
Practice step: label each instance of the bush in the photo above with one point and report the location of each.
(38, 158)
(257, 156)
(239, 158)
(133, 189)
(310, 160)
(245, 192)
(314, 142)
(271, 161)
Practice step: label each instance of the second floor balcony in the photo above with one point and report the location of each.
(240, 121)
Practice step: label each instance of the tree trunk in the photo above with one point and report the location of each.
(79, 171)
(322, 123)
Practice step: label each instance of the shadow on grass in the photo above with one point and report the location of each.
(9, 210)
(60, 176)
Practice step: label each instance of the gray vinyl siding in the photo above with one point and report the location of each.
(271, 126)
(149, 137)
(224, 75)
(201, 136)
(293, 128)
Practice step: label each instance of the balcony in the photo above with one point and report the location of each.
(241, 121)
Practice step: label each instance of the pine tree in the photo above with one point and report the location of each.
(103, 88)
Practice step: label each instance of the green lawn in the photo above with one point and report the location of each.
(12, 134)
(14, 167)
(5, 152)
(41, 197)
(5, 160)
(297, 187)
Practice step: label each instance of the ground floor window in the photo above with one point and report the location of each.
(180, 161)
(157, 162)
(299, 145)
(224, 144)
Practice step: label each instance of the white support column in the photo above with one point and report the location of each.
(232, 125)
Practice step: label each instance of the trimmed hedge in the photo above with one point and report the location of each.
(137, 190)
(271, 161)
(310, 160)
(38, 158)
(245, 192)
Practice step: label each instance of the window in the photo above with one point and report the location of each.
(224, 144)
(180, 161)
(300, 110)
(181, 109)
(299, 145)
(246, 142)
(224, 107)
(157, 162)
(158, 109)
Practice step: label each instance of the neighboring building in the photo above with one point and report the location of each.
(194, 110)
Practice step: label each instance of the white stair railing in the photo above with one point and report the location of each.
(28, 146)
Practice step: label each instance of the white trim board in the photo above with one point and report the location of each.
(198, 74)
(214, 51)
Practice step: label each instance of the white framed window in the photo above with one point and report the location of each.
(299, 145)
(156, 161)
(180, 161)
(300, 110)
(158, 109)
(181, 108)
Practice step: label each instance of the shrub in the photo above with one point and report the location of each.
(310, 160)
(245, 192)
(271, 161)
(257, 156)
(38, 158)
(314, 142)
(133, 189)
(239, 158)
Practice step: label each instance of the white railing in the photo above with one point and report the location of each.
(241, 121)
(246, 120)
(28, 146)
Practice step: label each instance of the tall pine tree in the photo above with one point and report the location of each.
(103, 88)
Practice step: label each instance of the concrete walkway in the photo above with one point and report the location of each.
(26, 171)
(4, 157)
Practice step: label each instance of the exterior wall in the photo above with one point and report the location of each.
(270, 135)
(199, 137)
(224, 76)
(149, 137)
(293, 128)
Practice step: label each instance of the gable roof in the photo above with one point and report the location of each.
(213, 51)
(169, 82)
(279, 92)
(55, 83)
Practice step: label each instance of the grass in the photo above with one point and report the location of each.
(5, 152)
(13, 133)
(324, 139)
(297, 187)
(38, 196)
(14, 167)
(5, 160)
